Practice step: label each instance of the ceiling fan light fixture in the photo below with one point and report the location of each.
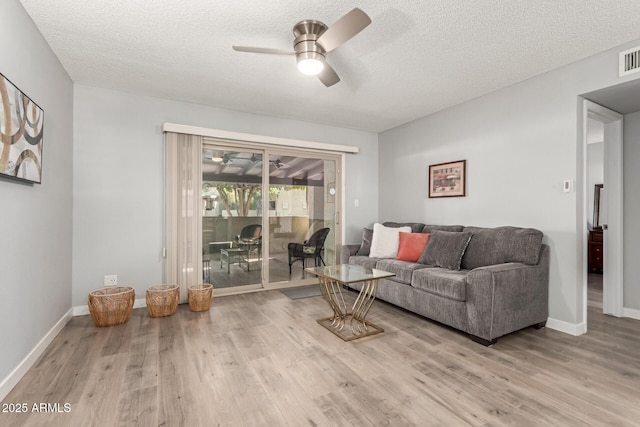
(313, 39)
(310, 67)
(310, 63)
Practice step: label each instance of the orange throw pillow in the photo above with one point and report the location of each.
(412, 245)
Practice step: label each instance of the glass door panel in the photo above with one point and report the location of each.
(303, 200)
(232, 216)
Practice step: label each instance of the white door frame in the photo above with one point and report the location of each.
(613, 194)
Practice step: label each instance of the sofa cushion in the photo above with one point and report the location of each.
(411, 246)
(439, 281)
(416, 227)
(430, 228)
(384, 243)
(365, 247)
(445, 249)
(491, 246)
(403, 270)
(364, 261)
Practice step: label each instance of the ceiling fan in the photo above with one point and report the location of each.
(234, 157)
(313, 40)
(229, 157)
(279, 164)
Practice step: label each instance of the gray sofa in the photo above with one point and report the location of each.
(501, 286)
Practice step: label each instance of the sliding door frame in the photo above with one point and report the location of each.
(338, 158)
(245, 148)
(267, 150)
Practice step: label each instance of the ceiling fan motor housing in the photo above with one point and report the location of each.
(307, 33)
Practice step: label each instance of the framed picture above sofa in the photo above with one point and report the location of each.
(448, 179)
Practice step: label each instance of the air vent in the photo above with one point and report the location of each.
(629, 61)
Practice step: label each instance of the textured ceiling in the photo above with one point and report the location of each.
(417, 57)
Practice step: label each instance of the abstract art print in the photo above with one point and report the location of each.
(448, 179)
(21, 127)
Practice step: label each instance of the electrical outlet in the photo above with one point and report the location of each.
(111, 280)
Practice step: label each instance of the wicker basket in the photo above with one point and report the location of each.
(111, 306)
(200, 297)
(162, 300)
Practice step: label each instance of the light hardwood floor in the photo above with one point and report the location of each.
(262, 360)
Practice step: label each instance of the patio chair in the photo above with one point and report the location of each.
(310, 248)
(250, 238)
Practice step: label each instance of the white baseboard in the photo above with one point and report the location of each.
(581, 328)
(81, 310)
(141, 302)
(16, 375)
(631, 313)
(566, 327)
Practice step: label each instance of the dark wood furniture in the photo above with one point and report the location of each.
(596, 253)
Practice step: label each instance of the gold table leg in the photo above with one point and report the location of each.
(358, 327)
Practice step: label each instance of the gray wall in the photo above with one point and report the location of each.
(35, 220)
(520, 143)
(631, 160)
(118, 179)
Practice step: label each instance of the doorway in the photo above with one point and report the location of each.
(594, 206)
(604, 227)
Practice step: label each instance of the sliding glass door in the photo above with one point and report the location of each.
(267, 213)
(232, 216)
(303, 207)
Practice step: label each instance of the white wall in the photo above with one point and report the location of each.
(35, 220)
(520, 143)
(118, 179)
(631, 213)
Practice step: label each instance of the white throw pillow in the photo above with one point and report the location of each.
(385, 241)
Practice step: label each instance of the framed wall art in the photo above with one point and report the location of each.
(21, 134)
(448, 179)
(598, 199)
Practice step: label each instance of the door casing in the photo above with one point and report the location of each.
(613, 236)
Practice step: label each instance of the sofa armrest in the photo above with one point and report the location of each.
(347, 251)
(507, 297)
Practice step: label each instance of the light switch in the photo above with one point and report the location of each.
(356, 203)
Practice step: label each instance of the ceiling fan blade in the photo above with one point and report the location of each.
(328, 76)
(343, 29)
(262, 50)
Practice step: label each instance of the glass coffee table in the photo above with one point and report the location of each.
(349, 322)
